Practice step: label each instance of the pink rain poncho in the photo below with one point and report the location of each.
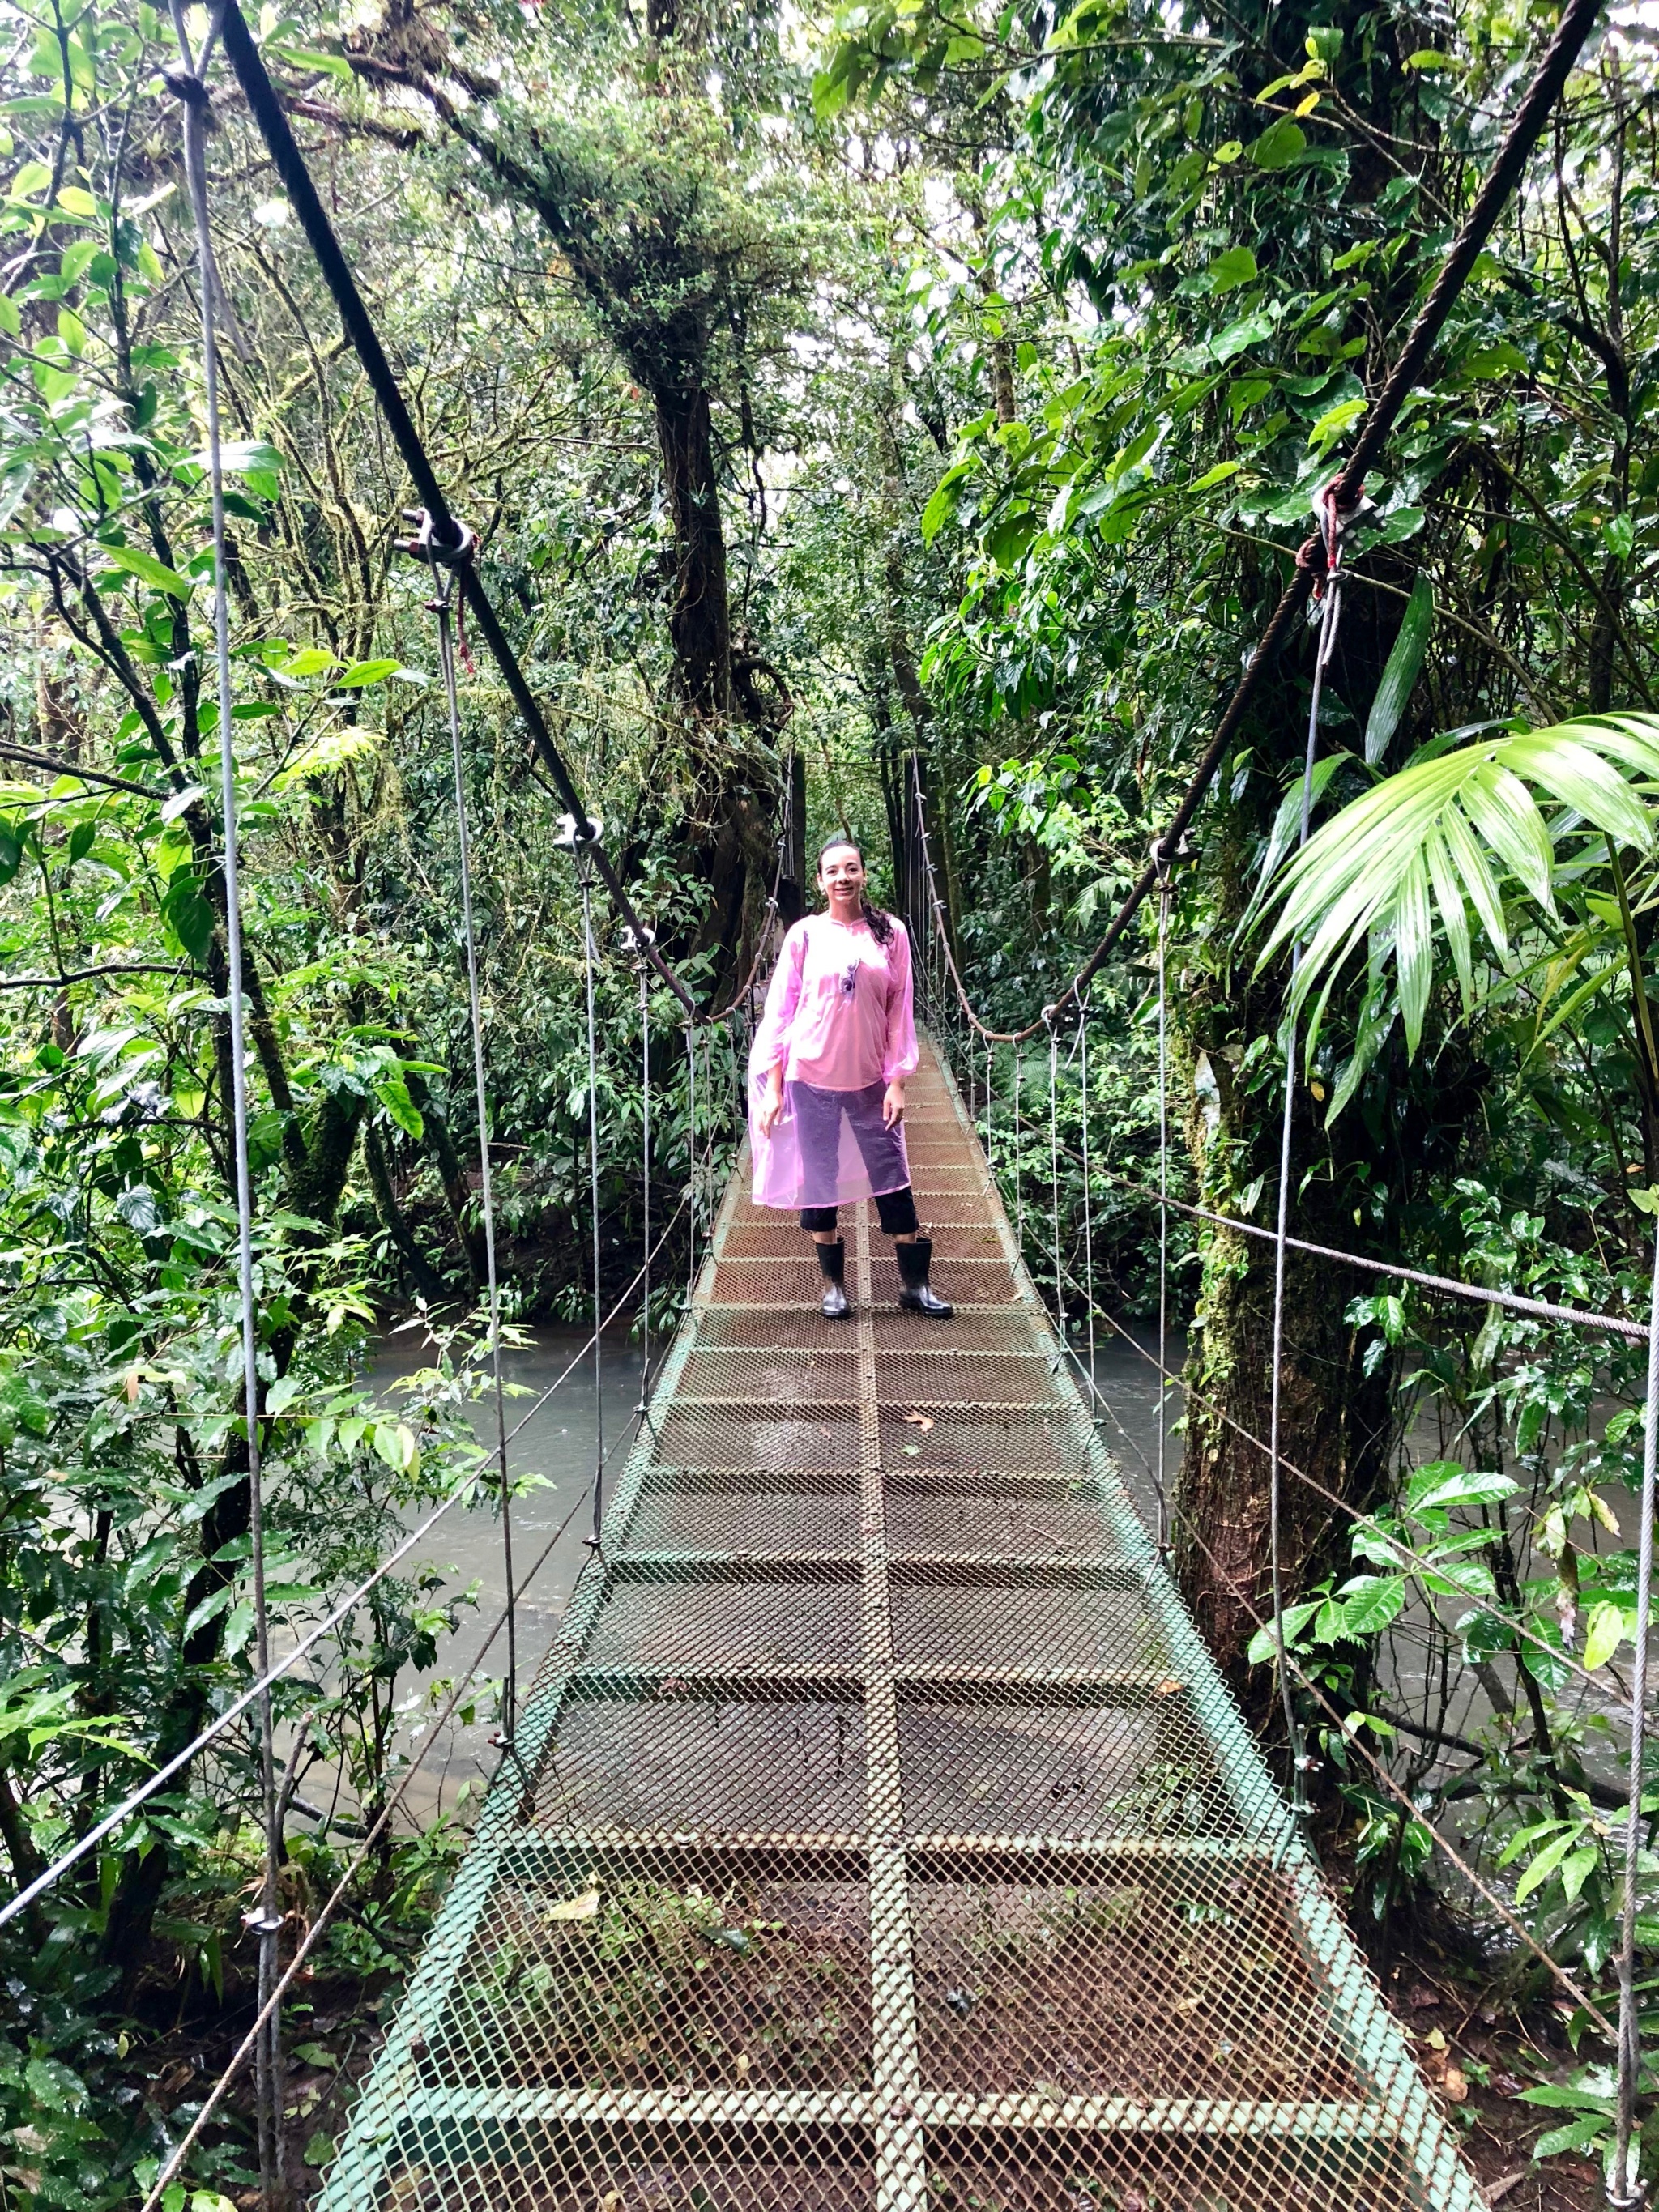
(841, 1018)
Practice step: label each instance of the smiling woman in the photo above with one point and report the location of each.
(827, 1079)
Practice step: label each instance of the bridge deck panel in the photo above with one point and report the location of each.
(883, 1837)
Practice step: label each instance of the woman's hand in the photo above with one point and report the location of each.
(892, 1106)
(770, 1106)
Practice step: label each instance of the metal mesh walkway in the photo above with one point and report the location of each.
(884, 1837)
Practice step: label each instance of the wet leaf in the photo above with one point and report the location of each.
(575, 1908)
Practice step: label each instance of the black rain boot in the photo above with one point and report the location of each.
(914, 1260)
(832, 1258)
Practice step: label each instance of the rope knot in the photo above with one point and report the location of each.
(183, 85)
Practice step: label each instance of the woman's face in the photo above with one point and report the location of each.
(841, 878)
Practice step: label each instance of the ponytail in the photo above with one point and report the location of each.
(881, 925)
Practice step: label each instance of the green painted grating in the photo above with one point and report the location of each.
(884, 1836)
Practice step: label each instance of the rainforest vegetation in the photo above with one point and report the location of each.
(923, 400)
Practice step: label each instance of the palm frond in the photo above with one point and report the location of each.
(1452, 839)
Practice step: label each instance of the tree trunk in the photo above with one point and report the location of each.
(1334, 1421)
(699, 621)
(429, 1284)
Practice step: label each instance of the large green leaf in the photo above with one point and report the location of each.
(148, 570)
(1446, 838)
(1400, 672)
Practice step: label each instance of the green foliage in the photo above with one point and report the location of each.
(1459, 833)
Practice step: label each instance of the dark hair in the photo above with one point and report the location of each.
(881, 925)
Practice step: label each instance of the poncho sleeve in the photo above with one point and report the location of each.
(782, 997)
(900, 1056)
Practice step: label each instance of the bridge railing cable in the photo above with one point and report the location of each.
(1317, 561)
(266, 1921)
(465, 1493)
(318, 1926)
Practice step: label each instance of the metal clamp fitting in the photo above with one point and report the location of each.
(568, 838)
(425, 544)
(183, 86)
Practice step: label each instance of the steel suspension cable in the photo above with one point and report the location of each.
(1019, 1163)
(319, 1923)
(1163, 1208)
(1477, 1293)
(691, 1154)
(267, 1922)
(1510, 1920)
(442, 605)
(1088, 1192)
(589, 961)
(1331, 522)
(1401, 1556)
(1525, 127)
(136, 1799)
(1053, 1169)
(1624, 2189)
(645, 1185)
(296, 180)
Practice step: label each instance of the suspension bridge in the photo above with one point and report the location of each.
(881, 1833)
(878, 1831)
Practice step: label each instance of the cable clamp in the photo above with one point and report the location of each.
(183, 86)
(258, 1922)
(426, 544)
(1165, 857)
(1334, 522)
(568, 838)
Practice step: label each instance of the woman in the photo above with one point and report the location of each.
(827, 1078)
